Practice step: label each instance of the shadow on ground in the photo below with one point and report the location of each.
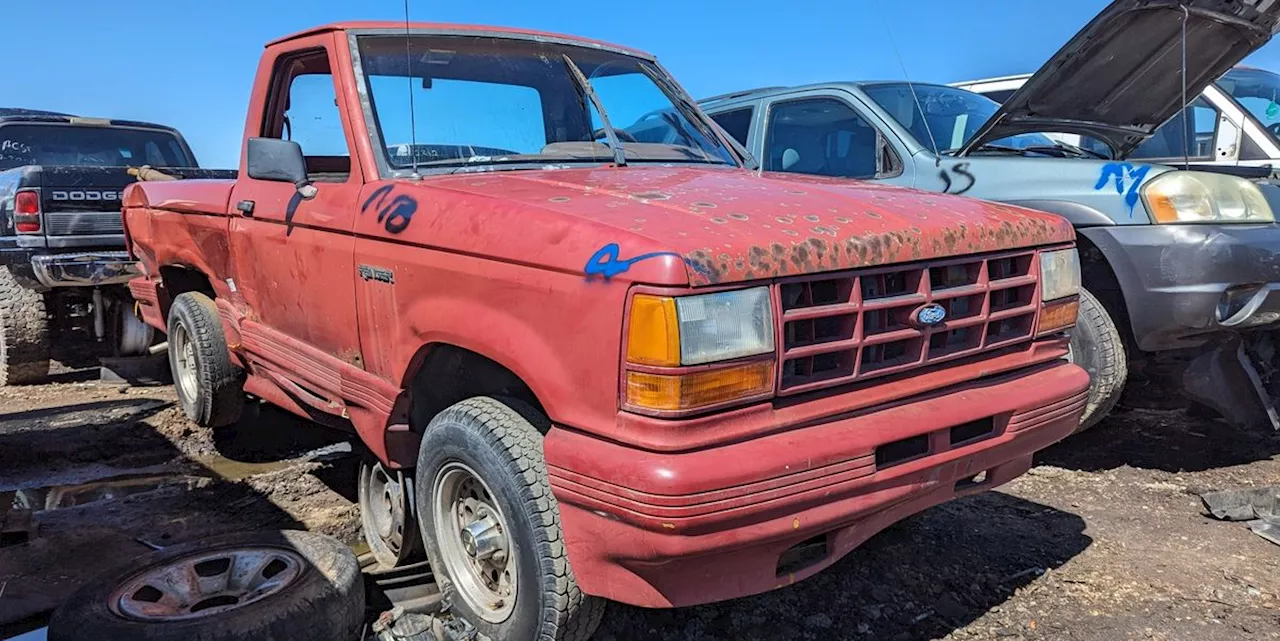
(1169, 440)
(920, 579)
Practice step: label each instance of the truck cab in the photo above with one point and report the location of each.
(592, 354)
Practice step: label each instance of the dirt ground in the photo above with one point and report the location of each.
(1105, 539)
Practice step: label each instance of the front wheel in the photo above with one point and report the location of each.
(1096, 346)
(492, 528)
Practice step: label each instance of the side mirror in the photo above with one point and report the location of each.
(279, 161)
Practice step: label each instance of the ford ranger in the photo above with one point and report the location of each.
(62, 259)
(592, 358)
(1180, 267)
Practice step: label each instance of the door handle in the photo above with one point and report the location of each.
(246, 208)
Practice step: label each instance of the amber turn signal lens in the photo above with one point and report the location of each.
(1058, 315)
(654, 334)
(683, 392)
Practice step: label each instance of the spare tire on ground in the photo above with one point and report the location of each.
(259, 586)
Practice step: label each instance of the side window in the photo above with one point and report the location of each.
(1168, 140)
(822, 136)
(304, 108)
(736, 122)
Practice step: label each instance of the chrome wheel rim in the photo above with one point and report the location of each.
(185, 359)
(206, 583)
(384, 512)
(475, 542)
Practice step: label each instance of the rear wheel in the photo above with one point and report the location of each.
(1096, 346)
(492, 528)
(24, 333)
(210, 387)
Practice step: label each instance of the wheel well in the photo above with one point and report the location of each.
(443, 374)
(179, 280)
(1098, 277)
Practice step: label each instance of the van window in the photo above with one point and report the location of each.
(736, 122)
(1167, 141)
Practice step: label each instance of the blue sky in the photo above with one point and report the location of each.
(191, 65)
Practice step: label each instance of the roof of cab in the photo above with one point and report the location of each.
(446, 28)
(20, 115)
(748, 95)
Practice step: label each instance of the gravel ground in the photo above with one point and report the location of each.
(1105, 539)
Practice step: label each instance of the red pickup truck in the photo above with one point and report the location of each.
(592, 352)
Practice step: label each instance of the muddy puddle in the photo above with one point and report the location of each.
(116, 485)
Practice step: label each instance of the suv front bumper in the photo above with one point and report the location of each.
(663, 529)
(1184, 283)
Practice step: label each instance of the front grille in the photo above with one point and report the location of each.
(83, 223)
(850, 326)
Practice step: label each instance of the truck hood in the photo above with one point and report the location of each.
(731, 225)
(1120, 77)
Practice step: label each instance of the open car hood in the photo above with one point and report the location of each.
(1120, 77)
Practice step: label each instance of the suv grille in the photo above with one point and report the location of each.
(850, 326)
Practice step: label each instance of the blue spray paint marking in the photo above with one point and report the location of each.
(1126, 177)
(605, 261)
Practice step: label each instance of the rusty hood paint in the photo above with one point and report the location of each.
(731, 225)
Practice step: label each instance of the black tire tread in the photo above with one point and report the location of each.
(221, 398)
(24, 333)
(572, 615)
(1106, 387)
(330, 607)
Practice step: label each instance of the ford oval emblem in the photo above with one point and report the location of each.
(930, 314)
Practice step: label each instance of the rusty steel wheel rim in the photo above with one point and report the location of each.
(475, 542)
(383, 498)
(185, 357)
(206, 583)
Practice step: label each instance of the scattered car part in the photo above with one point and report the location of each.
(1255, 505)
(240, 587)
(412, 587)
(401, 625)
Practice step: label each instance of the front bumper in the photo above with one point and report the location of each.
(663, 529)
(1184, 283)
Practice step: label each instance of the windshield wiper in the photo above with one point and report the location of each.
(584, 86)
(1080, 152)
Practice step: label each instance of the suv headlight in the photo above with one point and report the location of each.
(676, 347)
(1197, 196)
(1059, 290)
(1059, 274)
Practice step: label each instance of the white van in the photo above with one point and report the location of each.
(1235, 121)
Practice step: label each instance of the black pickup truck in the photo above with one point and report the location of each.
(63, 263)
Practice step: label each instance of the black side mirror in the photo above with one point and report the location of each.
(279, 161)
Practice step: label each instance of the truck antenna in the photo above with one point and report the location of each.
(1187, 131)
(408, 77)
(933, 143)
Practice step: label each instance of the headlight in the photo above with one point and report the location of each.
(692, 330)
(1059, 274)
(1197, 196)
(678, 332)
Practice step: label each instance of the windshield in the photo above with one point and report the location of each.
(60, 144)
(952, 115)
(1258, 92)
(481, 102)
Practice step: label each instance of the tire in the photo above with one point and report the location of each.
(1096, 346)
(210, 387)
(321, 595)
(386, 513)
(503, 450)
(24, 333)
